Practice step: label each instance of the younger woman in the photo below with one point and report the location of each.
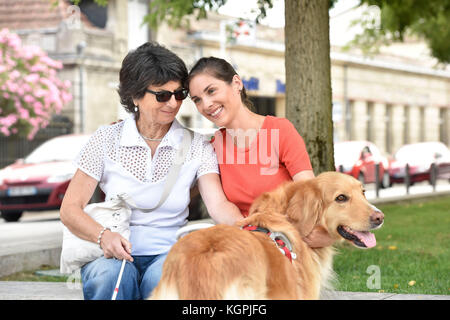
(256, 153)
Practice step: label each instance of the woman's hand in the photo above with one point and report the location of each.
(115, 246)
(319, 238)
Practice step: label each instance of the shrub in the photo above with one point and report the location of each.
(30, 91)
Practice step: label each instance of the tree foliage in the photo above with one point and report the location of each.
(426, 19)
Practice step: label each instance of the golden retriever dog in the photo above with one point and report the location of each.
(272, 261)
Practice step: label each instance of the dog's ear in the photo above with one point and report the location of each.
(305, 206)
(259, 204)
(273, 201)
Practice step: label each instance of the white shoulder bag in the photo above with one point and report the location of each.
(114, 214)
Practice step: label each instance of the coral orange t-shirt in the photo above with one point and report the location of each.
(276, 154)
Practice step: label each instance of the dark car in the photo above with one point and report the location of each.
(420, 157)
(359, 159)
(39, 181)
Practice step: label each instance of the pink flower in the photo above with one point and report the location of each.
(28, 81)
(37, 106)
(33, 78)
(5, 131)
(29, 99)
(38, 68)
(8, 121)
(23, 113)
(13, 87)
(14, 75)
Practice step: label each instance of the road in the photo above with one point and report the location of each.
(34, 229)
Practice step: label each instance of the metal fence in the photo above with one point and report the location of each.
(436, 172)
(13, 148)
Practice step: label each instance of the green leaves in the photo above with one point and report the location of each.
(426, 19)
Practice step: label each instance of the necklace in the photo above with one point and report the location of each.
(150, 139)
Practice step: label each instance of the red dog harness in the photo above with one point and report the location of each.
(282, 242)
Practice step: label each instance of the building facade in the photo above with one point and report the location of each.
(390, 99)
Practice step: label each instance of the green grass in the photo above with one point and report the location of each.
(30, 275)
(412, 252)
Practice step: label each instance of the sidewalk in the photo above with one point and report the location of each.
(18, 290)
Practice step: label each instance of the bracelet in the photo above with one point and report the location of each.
(99, 238)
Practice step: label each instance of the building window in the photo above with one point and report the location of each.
(97, 15)
(138, 33)
(263, 105)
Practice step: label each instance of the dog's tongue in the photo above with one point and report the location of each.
(367, 238)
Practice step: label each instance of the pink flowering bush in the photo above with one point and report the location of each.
(30, 91)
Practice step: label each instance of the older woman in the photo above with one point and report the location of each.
(134, 156)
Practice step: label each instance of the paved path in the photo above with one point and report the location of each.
(18, 290)
(28, 244)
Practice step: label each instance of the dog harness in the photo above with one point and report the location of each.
(281, 241)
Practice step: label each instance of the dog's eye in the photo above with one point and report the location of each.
(341, 198)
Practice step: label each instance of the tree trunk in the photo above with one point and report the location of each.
(308, 78)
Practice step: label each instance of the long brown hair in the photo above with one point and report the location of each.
(219, 69)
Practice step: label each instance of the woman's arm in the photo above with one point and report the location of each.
(78, 194)
(219, 208)
(303, 175)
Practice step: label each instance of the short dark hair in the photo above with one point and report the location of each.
(149, 64)
(219, 69)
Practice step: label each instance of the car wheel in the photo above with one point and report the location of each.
(11, 216)
(386, 183)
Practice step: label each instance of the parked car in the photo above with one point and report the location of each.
(39, 181)
(420, 157)
(358, 159)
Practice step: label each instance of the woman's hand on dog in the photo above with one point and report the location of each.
(116, 246)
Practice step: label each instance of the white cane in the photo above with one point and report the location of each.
(116, 289)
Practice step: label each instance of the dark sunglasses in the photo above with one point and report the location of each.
(164, 96)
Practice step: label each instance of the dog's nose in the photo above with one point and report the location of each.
(377, 218)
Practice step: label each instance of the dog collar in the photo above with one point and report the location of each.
(281, 240)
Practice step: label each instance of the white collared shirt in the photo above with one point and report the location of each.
(119, 158)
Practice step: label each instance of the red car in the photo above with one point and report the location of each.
(420, 157)
(39, 181)
(358, 159)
